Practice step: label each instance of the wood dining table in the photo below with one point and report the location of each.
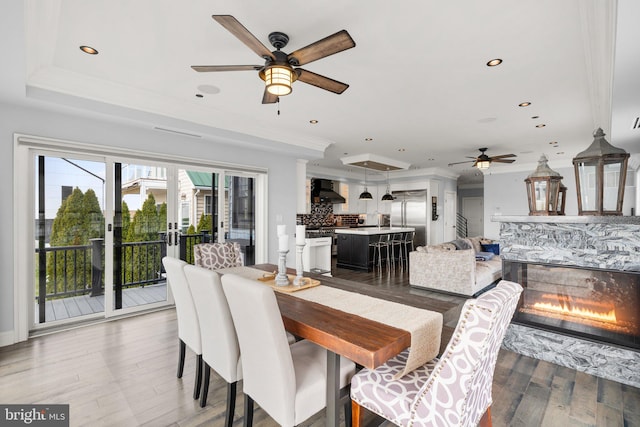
(366, 342)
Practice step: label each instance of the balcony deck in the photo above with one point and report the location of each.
(66, 308)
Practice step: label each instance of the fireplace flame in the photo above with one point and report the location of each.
(609, 316)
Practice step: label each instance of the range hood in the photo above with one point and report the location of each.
(322, 192)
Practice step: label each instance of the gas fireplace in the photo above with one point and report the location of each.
(602, 305)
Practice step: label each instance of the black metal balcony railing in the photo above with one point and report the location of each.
(79, 270)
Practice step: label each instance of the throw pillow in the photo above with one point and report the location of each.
(484, 256)
(475, 242)
(461, 244)
(492, 247)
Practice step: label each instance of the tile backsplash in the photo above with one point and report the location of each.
(322, 216)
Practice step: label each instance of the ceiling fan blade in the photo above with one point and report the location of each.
(321, 81)
(268, 97)
(237, 29)
(503, 160)
(327, 46)
(209, 68)
(502, 156)
(459, 163)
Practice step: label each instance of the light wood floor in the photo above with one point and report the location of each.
(122, 373)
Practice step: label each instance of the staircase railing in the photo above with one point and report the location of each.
(461, 225)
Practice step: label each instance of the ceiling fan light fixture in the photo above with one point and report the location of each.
(278, 80)
(483, 164)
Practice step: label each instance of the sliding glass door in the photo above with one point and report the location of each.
(101, 233)
(215, 206)
(99, 225)
(70, 230)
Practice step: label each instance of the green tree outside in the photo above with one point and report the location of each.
(79, 219)
(140, 262)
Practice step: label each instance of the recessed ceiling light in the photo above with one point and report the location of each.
(524, 104)
(560, 152)
(430, 159)
(553, 142)
(368, 139)
(535, 117)
(494, 62)
(313, 122)
(89, 50)
(401, 149)
(541, 125)
(199, 95)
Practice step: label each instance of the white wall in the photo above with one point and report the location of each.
(17, 119)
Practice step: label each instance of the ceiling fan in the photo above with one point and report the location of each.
(278, 70)
(483, 161)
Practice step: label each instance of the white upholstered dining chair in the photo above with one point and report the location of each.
(216, 256)
(188, 325)
(454, 390)
(288, 382)
(220, 350)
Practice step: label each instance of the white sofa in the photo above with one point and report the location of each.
(452, 267)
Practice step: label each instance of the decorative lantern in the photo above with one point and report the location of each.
(562, 198)
(601, 171)
(544, 187)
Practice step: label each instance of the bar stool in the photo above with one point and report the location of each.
(406, 241)
(383, 242)
(397, 241)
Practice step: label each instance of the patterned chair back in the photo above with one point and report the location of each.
(215, 256)
(458, 391)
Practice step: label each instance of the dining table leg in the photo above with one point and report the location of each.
(333, 390)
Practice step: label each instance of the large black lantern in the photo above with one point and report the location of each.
(601, 171)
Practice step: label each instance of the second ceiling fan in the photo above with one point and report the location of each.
(483, 161)
(278, 70)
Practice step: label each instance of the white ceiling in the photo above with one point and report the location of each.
(418, 79)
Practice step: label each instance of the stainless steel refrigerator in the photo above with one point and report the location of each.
(409, 209)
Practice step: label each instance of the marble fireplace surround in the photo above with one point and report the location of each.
(612, 243)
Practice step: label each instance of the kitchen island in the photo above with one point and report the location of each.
(354, 251)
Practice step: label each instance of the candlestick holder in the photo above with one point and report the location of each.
(299, 280)
(281, 278)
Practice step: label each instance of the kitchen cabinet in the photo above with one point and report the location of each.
(353, 251)
(353, 245)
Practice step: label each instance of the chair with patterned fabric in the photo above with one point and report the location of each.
(454, 390)
(215, 256)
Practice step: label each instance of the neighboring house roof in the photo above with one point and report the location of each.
(203, 179)
(200, 179)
